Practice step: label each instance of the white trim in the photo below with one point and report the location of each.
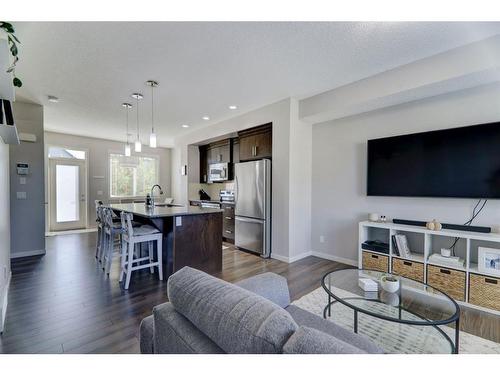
(3, 310)
(291, 259)
(280, 257)
(30, 253)
(335, 258)
(73, 231)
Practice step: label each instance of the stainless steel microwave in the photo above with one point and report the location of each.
(218, 172)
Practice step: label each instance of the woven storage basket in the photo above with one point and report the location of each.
(377, 262)
(408, 268)
(484, 291)
(450, 281)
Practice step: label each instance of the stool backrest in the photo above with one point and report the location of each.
(127, 218)
(107, 215)
(98, 207)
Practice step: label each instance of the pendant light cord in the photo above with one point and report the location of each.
(152, 110)
(126, 108)
(137, 104)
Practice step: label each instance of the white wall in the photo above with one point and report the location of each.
(98, 164)
(287, 222)
(339, 198)
(4, 229)
(27, 216)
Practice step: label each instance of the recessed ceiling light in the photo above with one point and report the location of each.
(185, 126)
(233, 107)
(53, 99)
(206, 118)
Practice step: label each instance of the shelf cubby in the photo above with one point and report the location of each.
(424, 242)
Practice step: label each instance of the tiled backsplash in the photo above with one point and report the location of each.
(211, 189)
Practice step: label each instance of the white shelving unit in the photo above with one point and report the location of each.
(424, 242)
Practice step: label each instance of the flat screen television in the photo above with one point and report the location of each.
(460, 162)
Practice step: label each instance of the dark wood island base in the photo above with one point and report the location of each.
(192, 236)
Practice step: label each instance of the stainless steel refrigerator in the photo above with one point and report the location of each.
(253, 206)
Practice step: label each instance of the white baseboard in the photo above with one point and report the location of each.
(72, 231)
(30, 253)
(4, 299)
(335, 258)
(291, 259)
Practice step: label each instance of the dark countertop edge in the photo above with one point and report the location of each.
(201, 211)
(219, 202)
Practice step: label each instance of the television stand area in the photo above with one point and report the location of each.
(467, 285)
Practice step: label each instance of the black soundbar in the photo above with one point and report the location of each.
(468, 228)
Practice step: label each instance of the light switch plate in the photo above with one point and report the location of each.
(21, 195)
(178, 221)
(22, 180)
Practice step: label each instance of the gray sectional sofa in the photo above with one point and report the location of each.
(207, 315)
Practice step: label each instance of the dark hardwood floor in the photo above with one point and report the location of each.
(63, 303)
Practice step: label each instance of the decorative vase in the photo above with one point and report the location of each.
(389, 283)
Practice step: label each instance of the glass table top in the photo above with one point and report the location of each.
(414, 303)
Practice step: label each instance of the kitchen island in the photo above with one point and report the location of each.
(192, 236)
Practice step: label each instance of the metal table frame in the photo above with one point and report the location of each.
(425, 322)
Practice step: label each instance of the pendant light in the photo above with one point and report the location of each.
(128, 150)
(152, 136)
(137, 144)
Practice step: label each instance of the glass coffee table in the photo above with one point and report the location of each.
(415, 319)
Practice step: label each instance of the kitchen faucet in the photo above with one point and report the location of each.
(152, 196)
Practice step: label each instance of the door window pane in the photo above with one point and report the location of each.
(58, 152)
(67, 192)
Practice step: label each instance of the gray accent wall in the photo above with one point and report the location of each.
(339, 199)
(27, 216)
(4, 228)
(98, 165)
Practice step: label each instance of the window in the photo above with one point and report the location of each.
(132, 176)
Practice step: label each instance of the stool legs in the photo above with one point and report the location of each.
(151, 258)
(129, 263)
(159, 255)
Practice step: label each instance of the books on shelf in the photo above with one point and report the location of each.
(446, 261)
(400, 246)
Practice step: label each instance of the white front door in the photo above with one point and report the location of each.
(68, 198)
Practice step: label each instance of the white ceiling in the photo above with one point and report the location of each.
(205, 67)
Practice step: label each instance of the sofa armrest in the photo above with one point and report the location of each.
(270, 286)
(174, 334)
(146, 331)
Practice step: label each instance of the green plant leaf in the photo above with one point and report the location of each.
(17, 82)
(7, 27)
(15, 38)
(13, 49)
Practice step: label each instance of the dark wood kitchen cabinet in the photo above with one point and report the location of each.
(256, 143)
(219, 152)
(228, 222)
(203, 164)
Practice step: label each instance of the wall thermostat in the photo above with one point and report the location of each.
(23, 169)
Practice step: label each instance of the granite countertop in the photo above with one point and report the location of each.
(140, 209)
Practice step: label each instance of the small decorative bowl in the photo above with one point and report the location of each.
(389, 283)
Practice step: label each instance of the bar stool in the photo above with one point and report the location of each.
(100, 229)
(136, 236)
(112, 229)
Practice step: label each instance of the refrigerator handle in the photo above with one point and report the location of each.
(235, 188)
